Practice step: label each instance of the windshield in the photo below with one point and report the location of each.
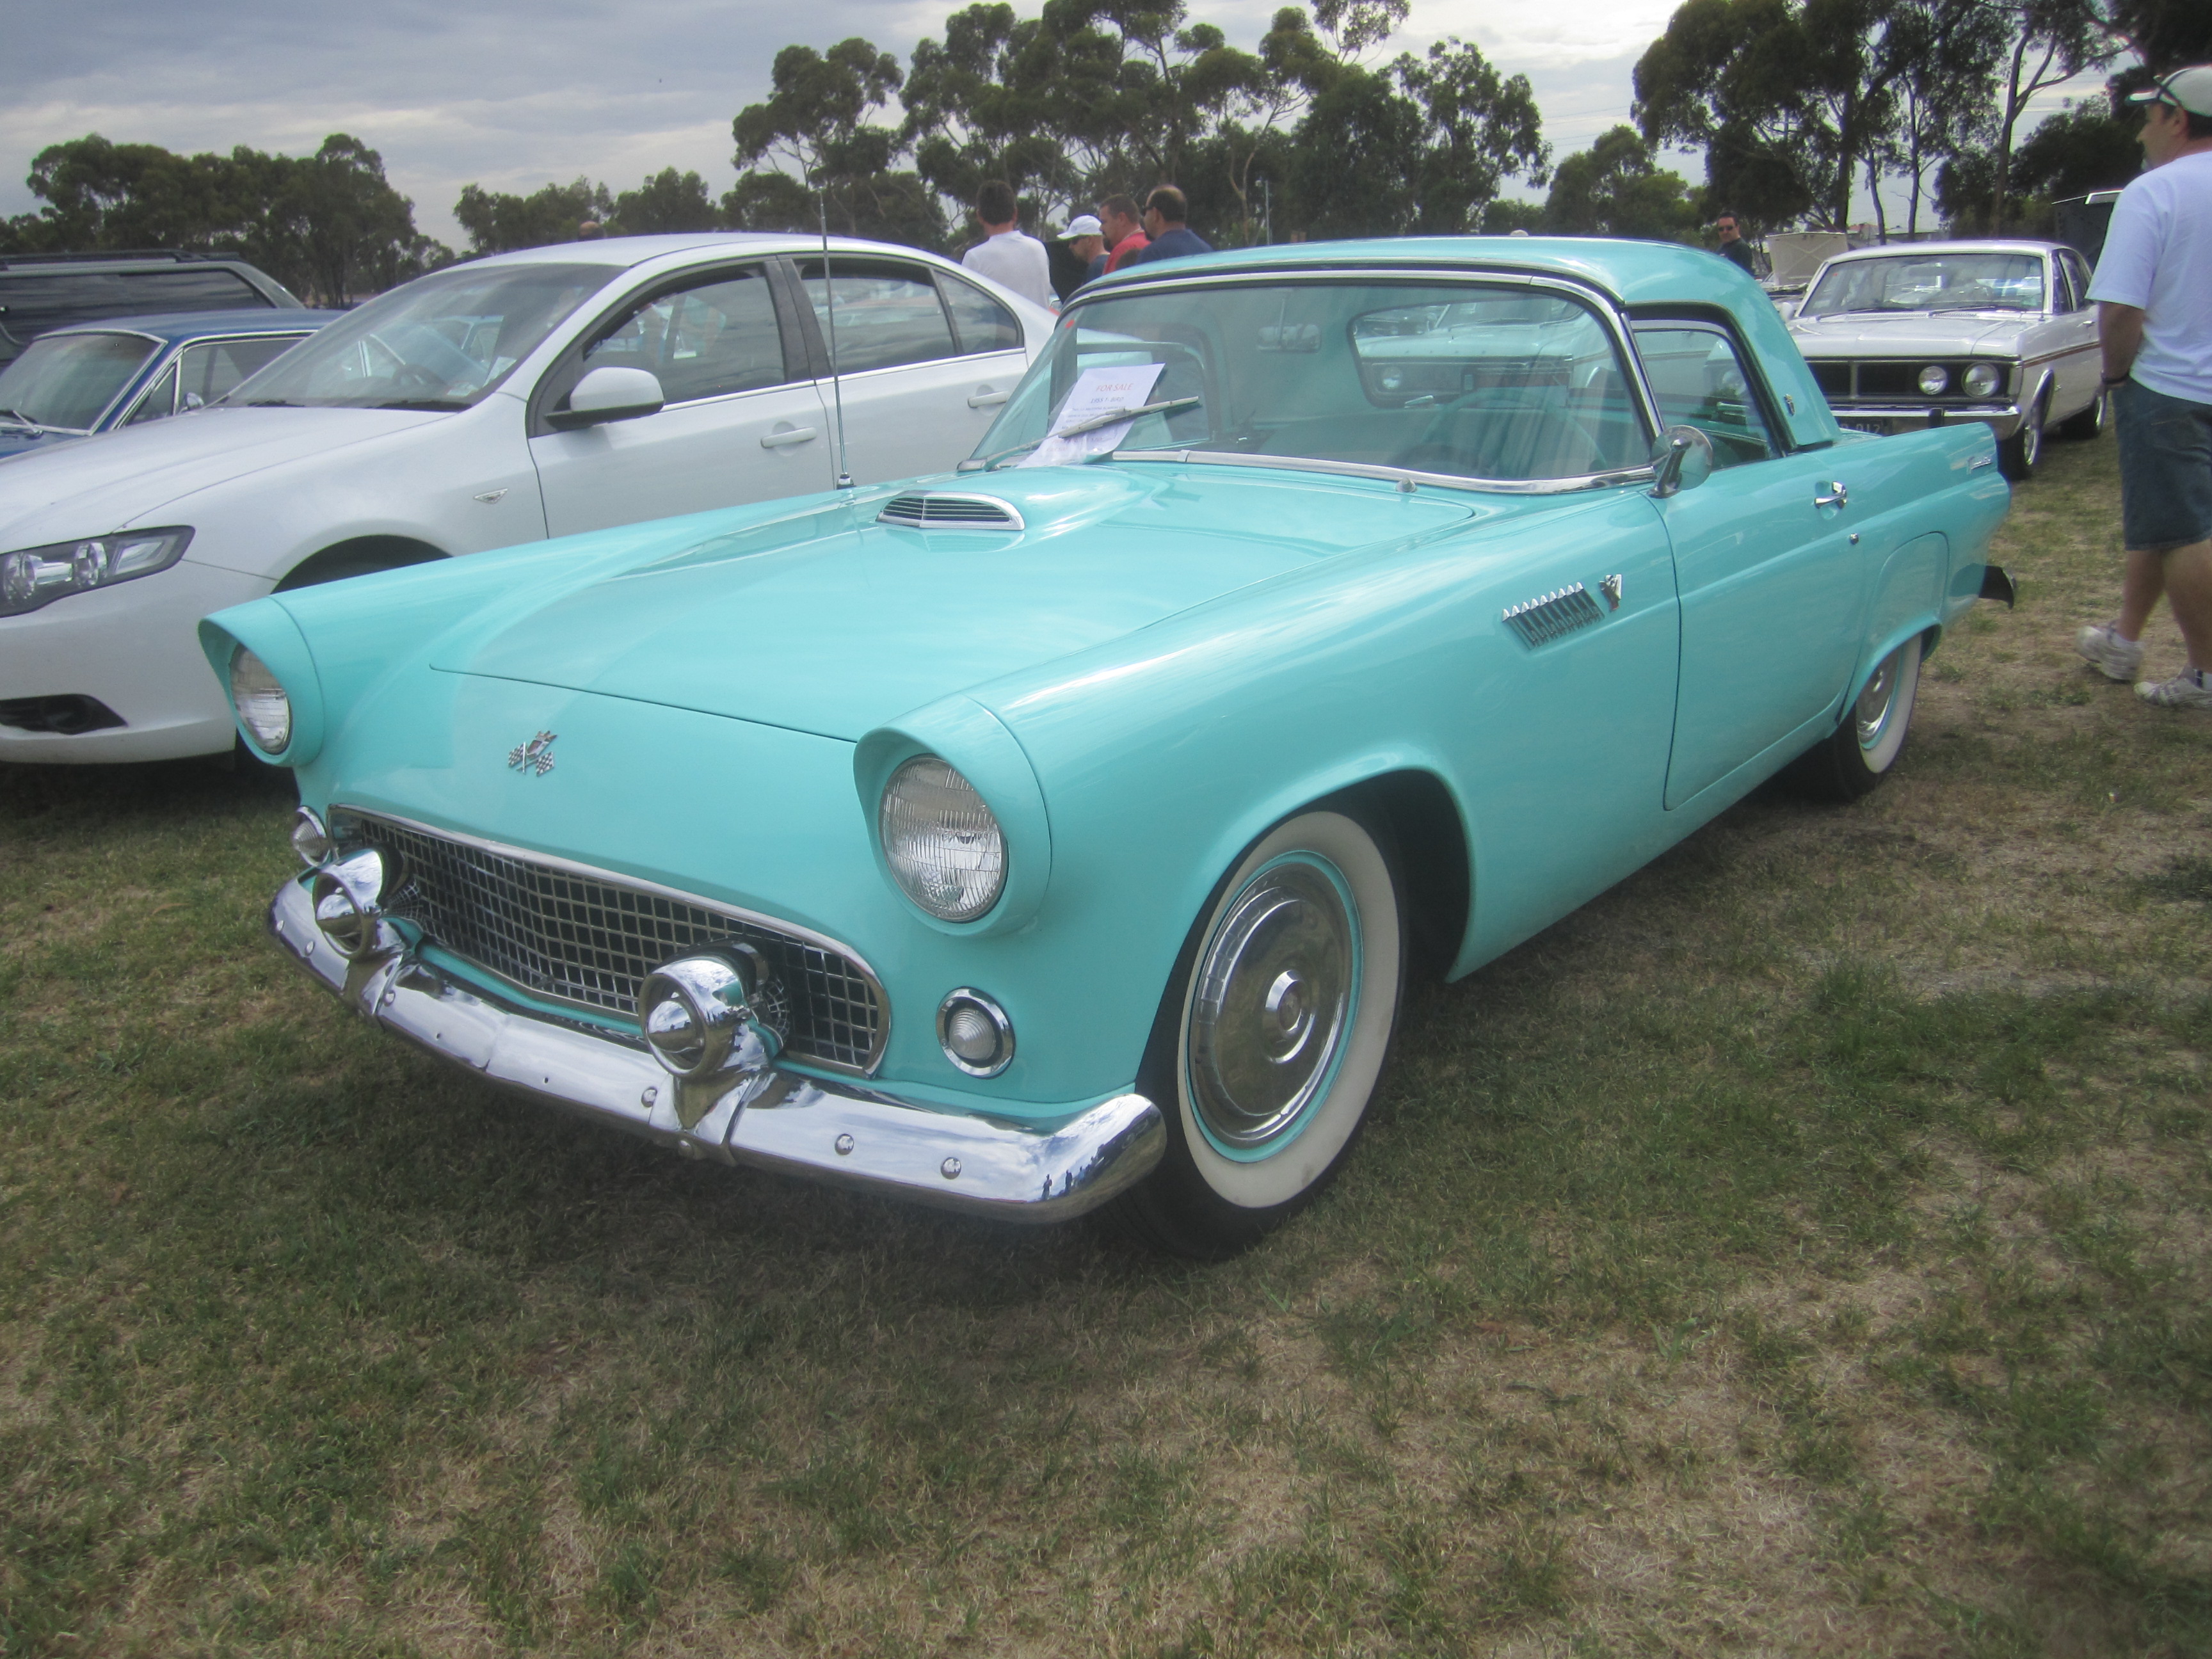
(1473, 380)
(442, 341)
(1930, 282)
(64, 381)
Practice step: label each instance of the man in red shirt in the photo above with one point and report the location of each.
(1125, 230)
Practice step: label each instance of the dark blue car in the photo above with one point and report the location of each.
(124, 371)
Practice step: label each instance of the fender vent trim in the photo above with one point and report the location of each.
(1555, 615)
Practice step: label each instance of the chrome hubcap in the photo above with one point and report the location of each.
(1272, 1007)
(1875, 702)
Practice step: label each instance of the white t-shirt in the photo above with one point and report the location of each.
(1018, 261)
(2158, 258)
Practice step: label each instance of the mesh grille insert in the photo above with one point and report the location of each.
(590, 940)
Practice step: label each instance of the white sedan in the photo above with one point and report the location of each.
(509, 399)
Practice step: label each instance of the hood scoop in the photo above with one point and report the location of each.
(943, 509)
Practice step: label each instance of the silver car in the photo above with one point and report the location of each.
(1910, 336)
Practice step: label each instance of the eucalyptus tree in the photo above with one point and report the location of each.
(2049, 42)
(498, 221)
(1616, 188)
(1735, 78)
(810, 150)
(1947, 94)
(667, 201)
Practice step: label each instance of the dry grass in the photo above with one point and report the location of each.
(1800, 1250)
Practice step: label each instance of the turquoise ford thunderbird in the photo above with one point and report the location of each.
(1062, 830)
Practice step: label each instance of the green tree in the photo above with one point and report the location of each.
(2069, 155)
(667, 201)
(812, 147)
(1615, 189)
(498, 223)
(1945, 93)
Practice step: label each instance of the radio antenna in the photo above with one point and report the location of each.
(829, 306)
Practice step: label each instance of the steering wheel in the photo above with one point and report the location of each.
(413, 377)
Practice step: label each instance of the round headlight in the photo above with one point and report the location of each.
(942, 843)
(262, 705)
(1983, 380)
(1934, 378)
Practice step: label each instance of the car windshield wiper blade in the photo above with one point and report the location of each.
(274, 402)
(1099, 422)
(424, 402)
(17, 418)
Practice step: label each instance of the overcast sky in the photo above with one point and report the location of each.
(511, 94)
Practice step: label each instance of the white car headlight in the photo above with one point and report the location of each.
(262, 705)
(942, 842)
(1983, 380)
(1934, 378)
(36, 576)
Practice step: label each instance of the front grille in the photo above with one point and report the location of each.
(1834, 378)
(1894, 382)
(590, 940)
(928, 509)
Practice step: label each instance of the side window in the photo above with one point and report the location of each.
(2062, 285)
(2079, 272)
(208, 370)
(981, 323)
(717, 336)
(888, 312)
(160, 401)
(1696, 379)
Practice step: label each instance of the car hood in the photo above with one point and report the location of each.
(826, 621)
(1908, 333)
(129, 477)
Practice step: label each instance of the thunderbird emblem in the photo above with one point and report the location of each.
(536, 755)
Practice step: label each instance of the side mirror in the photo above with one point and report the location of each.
(610, 393)
(192, 400)
(1683, 455)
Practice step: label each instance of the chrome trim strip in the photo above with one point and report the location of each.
(1399, 476)
(592, 872)
(1921, 411)
(778, 1121)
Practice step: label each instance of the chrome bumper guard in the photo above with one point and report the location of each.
(847, 1135)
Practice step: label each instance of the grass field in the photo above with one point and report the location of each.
(1802, 1250)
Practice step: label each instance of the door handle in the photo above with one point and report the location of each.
(983, 398)
(1841, 498)
(795, 434)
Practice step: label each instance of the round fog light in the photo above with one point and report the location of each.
(309, 839)
(1934, 378)
(975, 1033)
(346, 897)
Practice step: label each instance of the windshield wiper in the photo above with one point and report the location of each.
(274, 402)
(1096, 423)
(15, 417)
(424, 402)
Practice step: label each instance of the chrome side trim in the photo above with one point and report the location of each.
(1555, 615)
(779, 1121)
(1405, 478)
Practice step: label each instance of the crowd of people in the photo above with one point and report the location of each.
(1090, 244)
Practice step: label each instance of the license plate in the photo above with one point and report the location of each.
(1880, 429)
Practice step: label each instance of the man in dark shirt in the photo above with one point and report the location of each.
(1732, 246)
(1165, 210)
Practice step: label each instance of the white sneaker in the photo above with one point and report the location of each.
(2116, 659)
(2189, 688)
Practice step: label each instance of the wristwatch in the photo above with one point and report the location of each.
(2117, 379)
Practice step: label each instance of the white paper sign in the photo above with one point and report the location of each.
(1098, 392)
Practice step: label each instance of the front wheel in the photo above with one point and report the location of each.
(1866, 747)
(1271, 1037)
(2019, 454)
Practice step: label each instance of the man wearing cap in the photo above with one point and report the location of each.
(1078, 254)
(2154, 319)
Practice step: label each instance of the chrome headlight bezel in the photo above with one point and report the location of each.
(1934, 381)
(32, 578)
(1983, 380)
(940, 839)
(255, 690)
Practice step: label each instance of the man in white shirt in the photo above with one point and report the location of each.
(1005, 255)
(2154, 319)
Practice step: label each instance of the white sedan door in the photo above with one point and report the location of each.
(742, 419)
(921, 376)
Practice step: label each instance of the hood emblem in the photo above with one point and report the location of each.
(536, 755)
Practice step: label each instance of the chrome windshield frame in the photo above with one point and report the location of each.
(1607, 310)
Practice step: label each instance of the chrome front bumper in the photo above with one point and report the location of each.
(2003, 419)
(803, 1126)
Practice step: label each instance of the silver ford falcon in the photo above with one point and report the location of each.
(1910, 336)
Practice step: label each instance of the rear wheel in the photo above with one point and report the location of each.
(2090, 422)
(1271, 1038)
(1866, 747)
